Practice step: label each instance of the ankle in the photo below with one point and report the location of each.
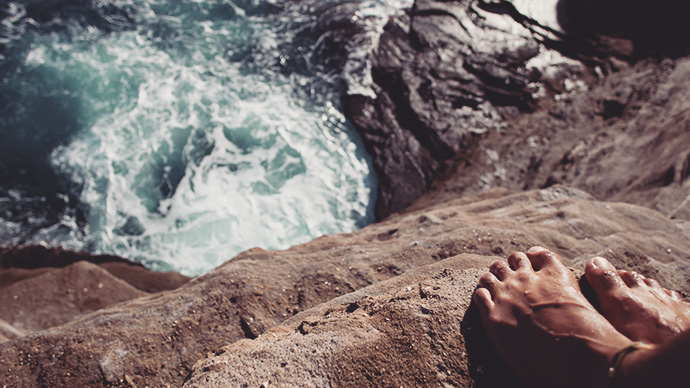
(632, 368)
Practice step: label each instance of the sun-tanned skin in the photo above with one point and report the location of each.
(665, 366)
(637, 307)
(551, 336)
(541, 324)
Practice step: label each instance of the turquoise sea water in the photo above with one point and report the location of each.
(175, 133)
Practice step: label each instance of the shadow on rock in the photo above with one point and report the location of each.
(485, 365)
(656, 28)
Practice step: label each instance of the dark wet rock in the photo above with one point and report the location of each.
(450, 74)
(626, 139)
(445, 75)
(656, 28)
(37, 256)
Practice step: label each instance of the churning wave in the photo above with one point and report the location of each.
(179, 133)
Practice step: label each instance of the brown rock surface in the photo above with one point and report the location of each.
(44, 287)
(155, 340)
(8, 331)
(20, 263)
(62, 295)
(415, 330)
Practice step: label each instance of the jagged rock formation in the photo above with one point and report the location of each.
(451, 74)
(625, 140)
(156, 340)
(444, 75)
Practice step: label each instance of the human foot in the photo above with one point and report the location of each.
(636, 306)
(542, 325)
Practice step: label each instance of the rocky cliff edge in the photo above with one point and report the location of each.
(385, 305)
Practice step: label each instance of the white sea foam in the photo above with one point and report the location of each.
(187, 158)
(543, 12)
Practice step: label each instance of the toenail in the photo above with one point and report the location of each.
(487, 278)
(600, 262)
(536, 249)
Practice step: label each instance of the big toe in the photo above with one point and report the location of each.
(541, 257)
(602, 275)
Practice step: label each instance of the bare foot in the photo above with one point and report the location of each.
(636, 306)
(542, 325)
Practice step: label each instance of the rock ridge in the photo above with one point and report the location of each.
(156, 340)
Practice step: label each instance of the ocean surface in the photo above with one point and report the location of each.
(178, 133)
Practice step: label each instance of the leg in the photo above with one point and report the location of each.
(637, 307)
(665, 366)
(542, 325)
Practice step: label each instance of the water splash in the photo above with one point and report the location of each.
(185, 153)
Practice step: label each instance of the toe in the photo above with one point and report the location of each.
(673, 294)
(602, 275)
(482, 297)
(602, 263)
(631, 279)
(519, 260)
(542, 257)
(500, 269)
(489, 281)
(652, 283)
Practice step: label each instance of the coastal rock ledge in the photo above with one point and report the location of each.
(388, 305)
(475, 161)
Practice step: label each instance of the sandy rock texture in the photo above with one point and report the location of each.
(410, 331)
(20, 263)
(156, 340)
(62, 295)
(45, 287)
